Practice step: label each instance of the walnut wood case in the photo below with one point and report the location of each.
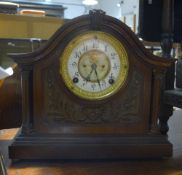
(59, 125)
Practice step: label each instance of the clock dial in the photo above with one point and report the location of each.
(94, 65)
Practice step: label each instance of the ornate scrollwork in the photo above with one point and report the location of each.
(60, 108)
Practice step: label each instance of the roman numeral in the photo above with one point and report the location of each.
(78, 54)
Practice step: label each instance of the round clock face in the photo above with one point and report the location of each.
(94, 65)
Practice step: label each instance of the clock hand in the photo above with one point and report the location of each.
(89, 75)
(95, 67)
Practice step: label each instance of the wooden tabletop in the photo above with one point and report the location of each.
(170, 166)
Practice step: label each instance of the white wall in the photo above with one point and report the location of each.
(76, 8)
(110, 7)
(128, 9)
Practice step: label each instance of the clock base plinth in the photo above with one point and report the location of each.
(90, 147)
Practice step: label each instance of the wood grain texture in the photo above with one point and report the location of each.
(10, 101)
(1, 82)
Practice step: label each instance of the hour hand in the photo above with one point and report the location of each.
(95, 67)
(89, 75)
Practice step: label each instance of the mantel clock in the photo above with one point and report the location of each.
(92, 92)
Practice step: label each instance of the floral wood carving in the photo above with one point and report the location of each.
(62, 109)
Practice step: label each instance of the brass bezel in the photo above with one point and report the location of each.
(115, 43)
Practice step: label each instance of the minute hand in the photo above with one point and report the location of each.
(89, 75)
(97, 76)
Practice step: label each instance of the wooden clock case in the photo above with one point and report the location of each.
(59, 125)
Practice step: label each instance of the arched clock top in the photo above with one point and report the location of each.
(96, 20)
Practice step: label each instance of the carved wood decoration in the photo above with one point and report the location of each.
(58, 124)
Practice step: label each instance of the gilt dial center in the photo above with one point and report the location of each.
(94, 65)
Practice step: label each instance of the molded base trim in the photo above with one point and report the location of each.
(90, 147)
